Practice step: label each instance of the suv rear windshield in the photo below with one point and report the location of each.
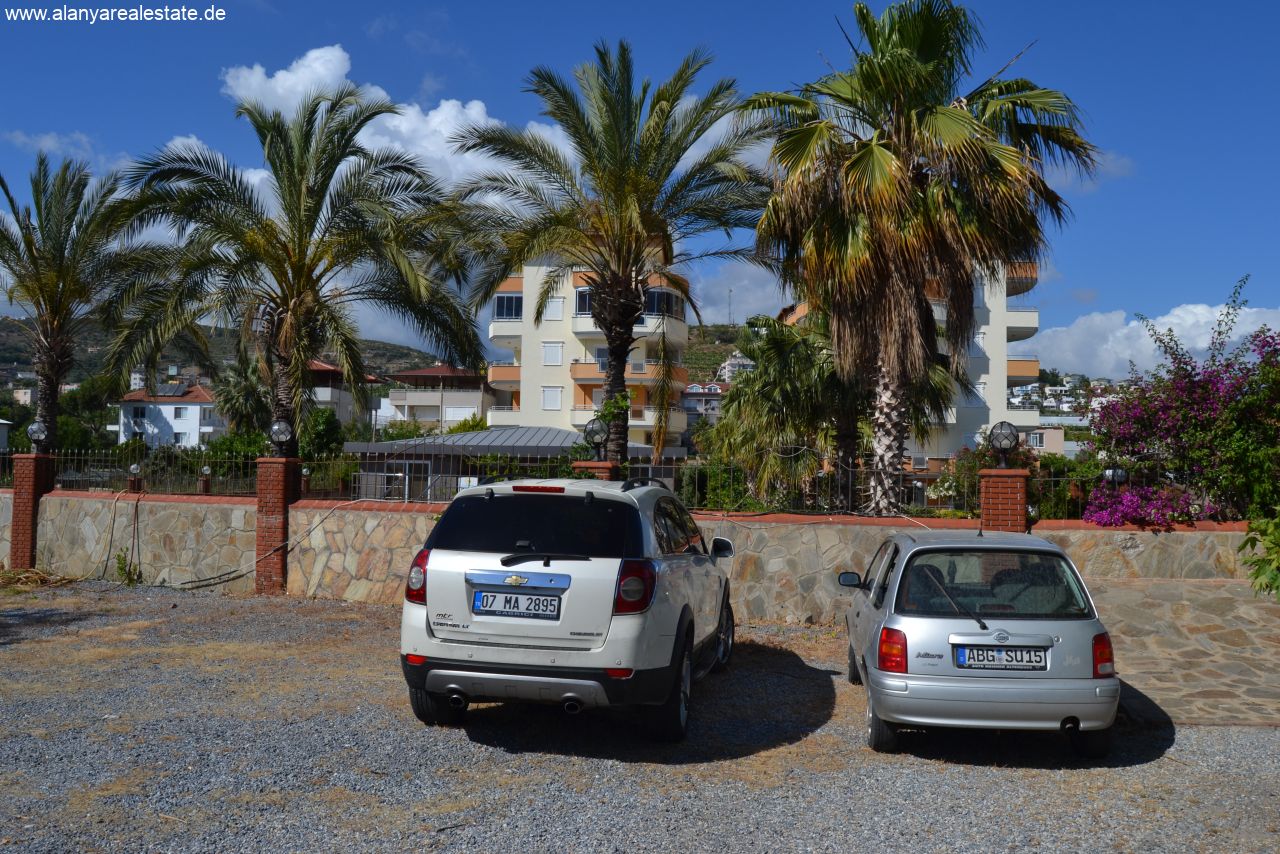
(991, 583)
(559, 524)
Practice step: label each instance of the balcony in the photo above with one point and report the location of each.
(504, 416)
(504, 376)
(505, 332)
(637, 372)
(640, 416)
(1024, 415)
(1020, 277)
(651, 326)
(1022, 323)
(1023, 370)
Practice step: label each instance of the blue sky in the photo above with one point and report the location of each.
(1177, 96)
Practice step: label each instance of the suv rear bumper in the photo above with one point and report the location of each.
(557, 685)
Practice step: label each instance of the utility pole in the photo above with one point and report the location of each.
(731, 306)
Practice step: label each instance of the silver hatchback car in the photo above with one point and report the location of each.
(952, 629)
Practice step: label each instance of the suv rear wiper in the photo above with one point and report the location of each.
(545, 557)
(960, 609)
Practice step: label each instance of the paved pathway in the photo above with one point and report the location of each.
(1206, 652)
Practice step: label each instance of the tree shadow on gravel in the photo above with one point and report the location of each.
(767, 698)
(19, 624)
(1143, 733)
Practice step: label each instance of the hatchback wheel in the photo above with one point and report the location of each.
(855, 675)
(434, 709)
(1092, 744)
(724, 638)
(670, 721)
(881, 736)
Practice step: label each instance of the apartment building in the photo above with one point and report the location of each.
(329, 390)
(556, 375)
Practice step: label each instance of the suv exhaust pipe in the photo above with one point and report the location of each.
(457, 701)
(572, 705)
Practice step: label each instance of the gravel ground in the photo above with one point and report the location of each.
(155, 720)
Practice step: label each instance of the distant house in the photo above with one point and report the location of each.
(732, 366)
(440, 396)
(23, 396)
(177, 414)
(330, 390)
(702, 401)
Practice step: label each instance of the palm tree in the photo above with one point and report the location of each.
(335, 224)
(902, 182)
(793, 415)
(60, 256)
(242, 396)
(647, 171)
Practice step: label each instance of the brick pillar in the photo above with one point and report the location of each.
(32, 479)
(600, 470)
(277, 489)
(1003, 505)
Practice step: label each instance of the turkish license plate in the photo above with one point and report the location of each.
(1002, 658)
(516, 605)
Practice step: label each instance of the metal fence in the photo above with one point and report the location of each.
(166, 470)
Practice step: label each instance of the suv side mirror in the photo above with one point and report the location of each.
(720, 547)
(850, 579)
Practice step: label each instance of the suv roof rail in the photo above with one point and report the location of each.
(632, 483)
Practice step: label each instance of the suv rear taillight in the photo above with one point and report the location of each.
(637, 580)
(893, 651)
(1104, 657)
(415, 589)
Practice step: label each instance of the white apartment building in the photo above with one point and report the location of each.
(556, 375)
(177, 414)
(330, 391)
(993, 369)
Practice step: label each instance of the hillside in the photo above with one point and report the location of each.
(709, 346)
(380, 357)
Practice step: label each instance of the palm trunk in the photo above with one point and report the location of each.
(619, 344)
(282, 408)
(47, 382)
(889, 428)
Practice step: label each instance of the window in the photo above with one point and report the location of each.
(582, 301)
(508, 307)
(1035, 440)
(697, 544)
(179, 412)
(554, 309)
(1014, 585)
(179, 438)
(664, 303)
(458, 413)
(602, 358)
(511, 524)
(551, 395)
(673, 539)
(139, 412)
(553, 352)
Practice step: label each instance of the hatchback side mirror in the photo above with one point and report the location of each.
(720, 547)
(850, 579)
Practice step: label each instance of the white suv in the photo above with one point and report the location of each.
(581, 593)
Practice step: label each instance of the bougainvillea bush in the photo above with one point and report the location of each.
(1200, 437)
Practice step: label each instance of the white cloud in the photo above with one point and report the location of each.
(1110, 166)
(1102, 343)
(755, 291)
(318, 68)
(74, 144)
(189, 140)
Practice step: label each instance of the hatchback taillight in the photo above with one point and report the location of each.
(415, 588)
(637, 580)
(1104, 657)
(893, 651)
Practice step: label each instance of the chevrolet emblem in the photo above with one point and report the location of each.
(515, 580)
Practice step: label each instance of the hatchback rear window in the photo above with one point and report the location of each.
(991, 583)
(559, 524)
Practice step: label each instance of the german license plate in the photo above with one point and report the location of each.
(1002, 658)
(516, 605)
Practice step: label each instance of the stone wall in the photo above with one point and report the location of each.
(6, 524)
(360, 553)
(180, 540)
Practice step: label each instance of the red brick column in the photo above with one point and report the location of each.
(600, 470)
(277, 489)
(32, 479)
(1003, 504)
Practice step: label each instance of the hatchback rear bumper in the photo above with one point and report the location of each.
(557, 685)
(994, 703)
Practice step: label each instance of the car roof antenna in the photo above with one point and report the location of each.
(589, 497)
